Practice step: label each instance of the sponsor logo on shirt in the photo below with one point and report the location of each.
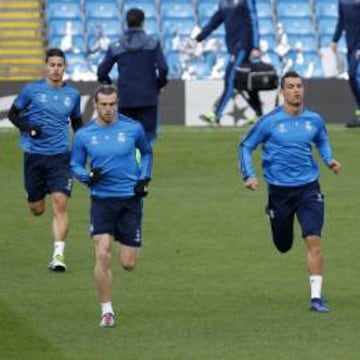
(43, 98)
(94, 140)
(282, 128)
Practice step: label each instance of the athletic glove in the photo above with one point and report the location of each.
(141, 188)
(35, 131)
(94, 175)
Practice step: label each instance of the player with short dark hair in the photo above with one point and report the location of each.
(142, 72)
(41, 112)
(117, 184)
(291, 172)
(349, 21)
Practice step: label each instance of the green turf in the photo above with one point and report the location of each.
(209, 285)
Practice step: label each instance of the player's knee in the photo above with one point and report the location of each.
(37, 210)
(313, 244)
(103, 258)
(128, 264)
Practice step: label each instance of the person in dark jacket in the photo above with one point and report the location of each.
(142, 71)
(242, 42)
(349, 21)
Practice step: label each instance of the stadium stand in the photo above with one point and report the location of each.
(292, 32)
(21, 40)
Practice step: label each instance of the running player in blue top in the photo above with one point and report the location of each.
(242, 41)
(290, 169)
(42, 112)
(349, 21)
(117, 184)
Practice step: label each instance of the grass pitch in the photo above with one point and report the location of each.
(209, 285)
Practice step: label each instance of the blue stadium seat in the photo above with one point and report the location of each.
(151, 26)
(326, 9)
(326, 25)
(182, 26)
(107, 1)
(266, 26)
(174, 63)
(65, 27)
(295, 25)
(176, 9)
(294, 9)
(307, 42)
(60, 10)
(109, 27)
(268, 42)
(102, 9)
(289, 2)
(206, 8)
(93, 44)
(264, 10)
(74, 59)
(148, 6)
(48, 2)
(167, 42)
(306, 66)
(175, 2)
(78, 44)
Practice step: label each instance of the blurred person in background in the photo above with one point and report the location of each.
(349, 21)
(41, 112)
(142, 72)
(242, 41)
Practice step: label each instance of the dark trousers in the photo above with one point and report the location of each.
(354, 75)
(147, 116)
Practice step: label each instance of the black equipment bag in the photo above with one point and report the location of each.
(256, 76)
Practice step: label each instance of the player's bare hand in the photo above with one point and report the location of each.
(335, 166)
(252, 184)
(334, 47)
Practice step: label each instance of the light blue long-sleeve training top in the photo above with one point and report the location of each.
(287, 157)
(51, 108)
(112, 148)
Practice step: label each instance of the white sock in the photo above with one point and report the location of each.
(106, 307)
(315, 285)
(59, 247)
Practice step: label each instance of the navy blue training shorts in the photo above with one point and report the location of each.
(45, 174)
(118, 217)
(306, 202)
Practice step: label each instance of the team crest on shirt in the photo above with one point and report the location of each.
(121, 137)
(67, 101)
(308, 126)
